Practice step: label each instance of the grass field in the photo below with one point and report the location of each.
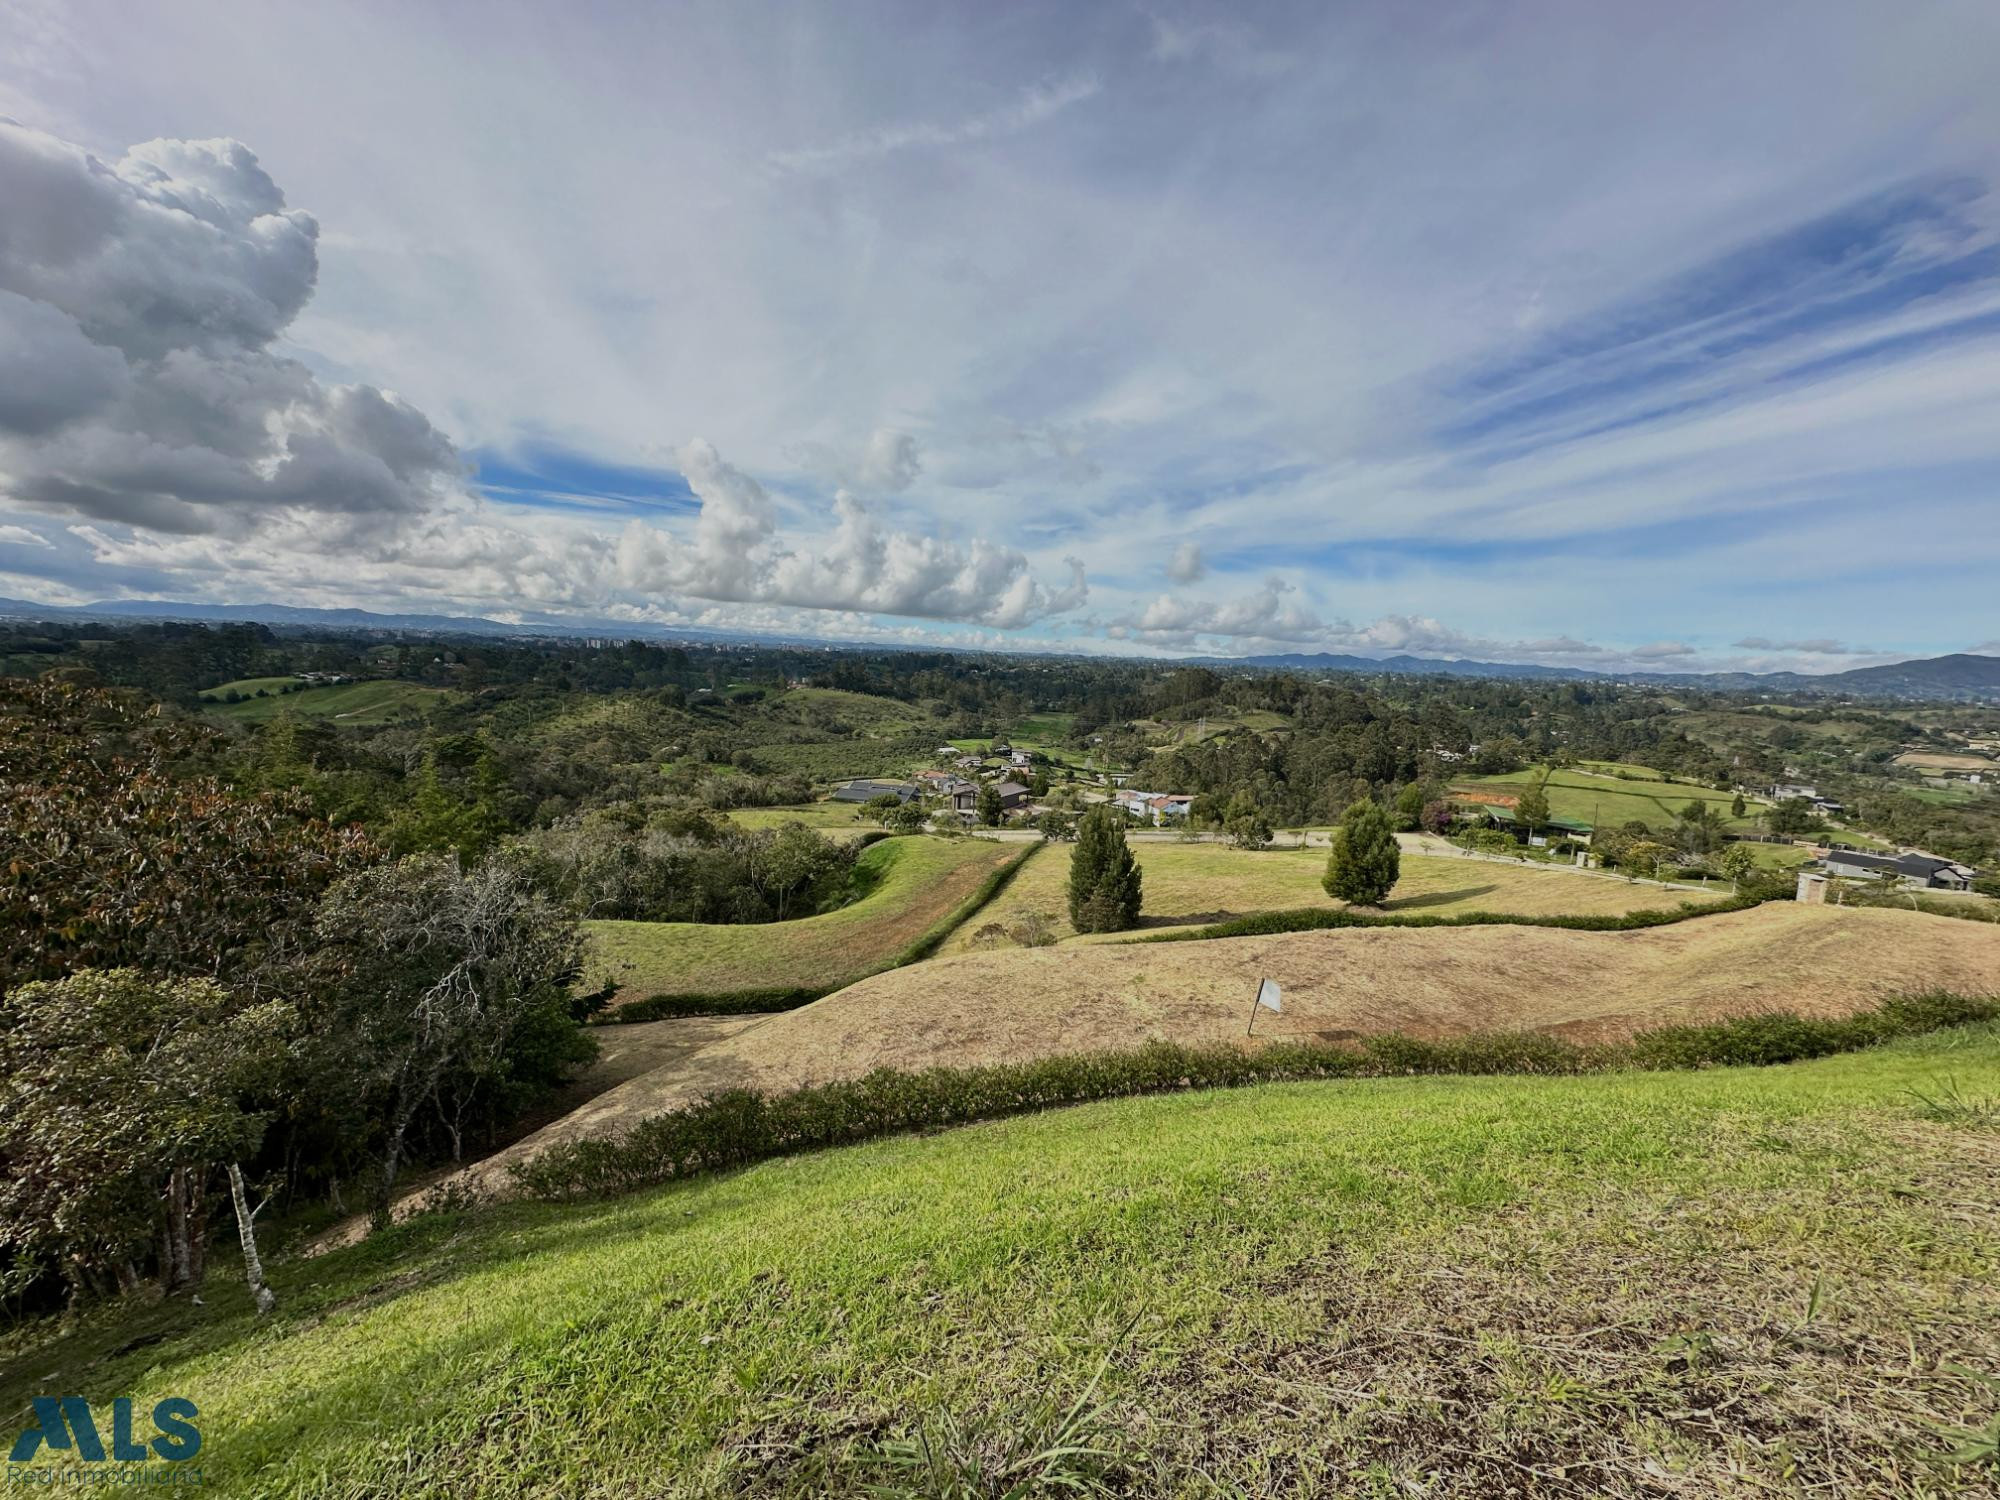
(1191, 884)
(829, 817)
(1604, 801)
(917, 882)
(372, 702)
(1772, 1282)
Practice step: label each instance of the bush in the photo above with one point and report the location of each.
(1313, 918)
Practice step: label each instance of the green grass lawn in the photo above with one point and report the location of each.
(1604, 801)
(1772, 1282)
(916, 883)
(828, 817)
(372, 702)
(1193, 884)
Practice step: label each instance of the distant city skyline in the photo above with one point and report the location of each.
(1599, 337)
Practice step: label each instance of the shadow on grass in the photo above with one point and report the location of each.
(1440, 898)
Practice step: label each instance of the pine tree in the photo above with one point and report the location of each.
(1103, 878)
(1365, 861)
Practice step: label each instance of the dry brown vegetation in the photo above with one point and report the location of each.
(1017, 1004)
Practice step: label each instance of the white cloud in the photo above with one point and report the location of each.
(1039, 102)
(1816, 646)
(1187, 565)
(1663, 651)
(737, 554)
(890, 461)
(20, 536)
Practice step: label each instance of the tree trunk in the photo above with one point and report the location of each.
(392, 1158)
(246, 1231)
(176, 1258)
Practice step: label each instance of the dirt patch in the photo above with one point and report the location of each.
(1484, 797)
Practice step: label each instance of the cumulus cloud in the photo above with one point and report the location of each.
(1662, 651)
(737, 554)
(20, 536)
(889, 462)
(139, 300)
(1188, 565)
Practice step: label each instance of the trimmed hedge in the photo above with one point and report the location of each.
(748, 1002)
(737, 1126)
(1313, 918)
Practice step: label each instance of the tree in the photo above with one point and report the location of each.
(991, 809)
(1793, 815)
(1532, 807)
(1104, 879)
(120, 1097)
(1364, 862)
(1245, 823)
(113, 858)
(1410, 807)
(1737, 806)
(451, 985)
(1057, 827)
(1736, 864)
(1644, 857)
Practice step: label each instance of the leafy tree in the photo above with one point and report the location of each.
(1057, 827)
(449, 986)
(1436, 817)
(1410, 807)
(1737, 806)
(1532, 807)
(1736, 863)
(991, 809)
(120, 1097)
(1364, 862)
(111, 857)
(1104, 879)
(1793, 815)
(1245, 823)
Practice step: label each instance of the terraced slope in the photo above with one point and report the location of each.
(1023, 1003)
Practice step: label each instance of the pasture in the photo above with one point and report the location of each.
(827, 817)
(1603, 800)
(913, 884)
(1192, 884)
(1774, 1281)
(376, 701)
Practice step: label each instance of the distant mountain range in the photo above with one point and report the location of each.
(1960, 676)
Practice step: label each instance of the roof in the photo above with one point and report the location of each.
(868, 791)
(1011, 789)
(1916, 866)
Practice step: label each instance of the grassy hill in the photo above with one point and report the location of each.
(1195, 883)
(371, 702)
(915, 884)
(1763, 1281)
(1602, 798)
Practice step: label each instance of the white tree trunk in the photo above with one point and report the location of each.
(246, 1230)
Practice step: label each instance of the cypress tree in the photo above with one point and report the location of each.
(1365, 861)
(1103, 878)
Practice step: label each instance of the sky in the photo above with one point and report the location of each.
(1611, 336)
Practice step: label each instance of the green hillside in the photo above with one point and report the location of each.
(371, 702)
(913, 885)
(1772, 1282)
(1604, 799)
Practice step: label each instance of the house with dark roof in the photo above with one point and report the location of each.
(1920, 871)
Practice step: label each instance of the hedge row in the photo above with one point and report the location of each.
(747, 1002)
(1312, 918)
(738, 1126)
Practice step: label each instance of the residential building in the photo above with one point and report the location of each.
(868, 791)
(1919, 871)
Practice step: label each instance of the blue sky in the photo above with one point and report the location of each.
(1593, 335)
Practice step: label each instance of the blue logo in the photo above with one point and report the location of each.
(65, 1424)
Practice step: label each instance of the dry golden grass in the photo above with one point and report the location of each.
(1017, 1004)
(1192, 884)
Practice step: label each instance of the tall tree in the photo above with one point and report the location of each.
(1104, 879)
(991, 809)
(120, 1099)
(1364, 862)
(1532, 807)
(450, 984)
